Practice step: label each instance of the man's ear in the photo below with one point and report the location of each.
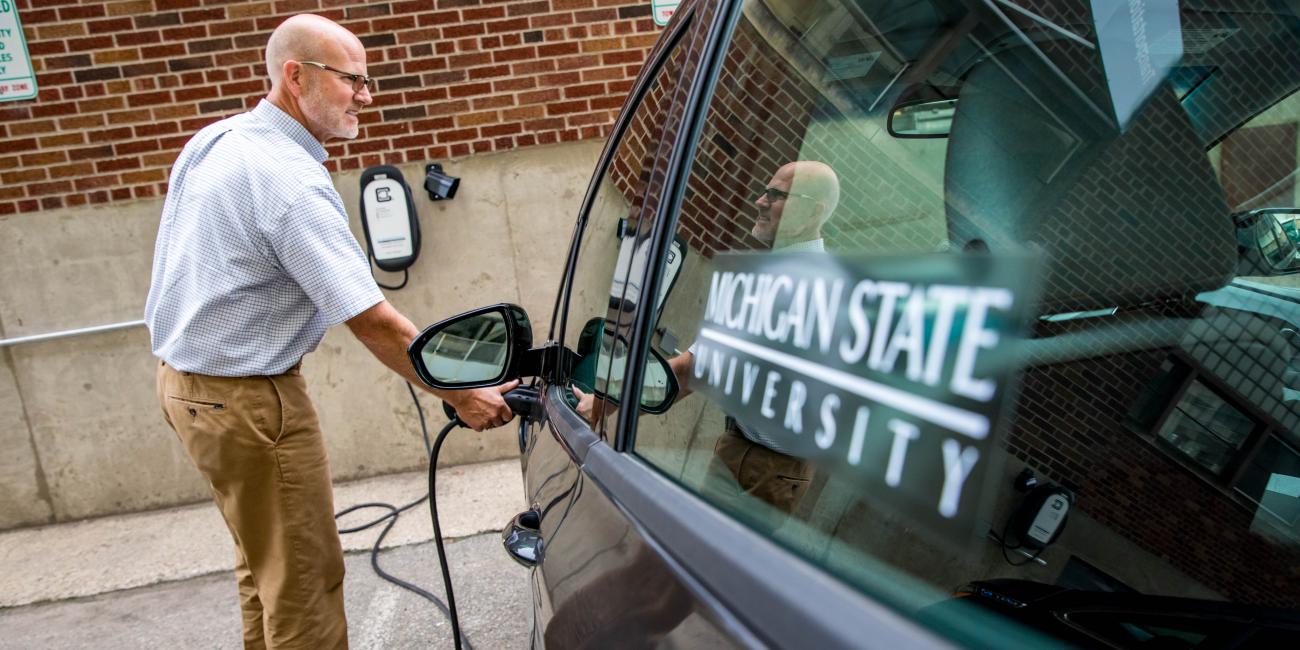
(291, 74)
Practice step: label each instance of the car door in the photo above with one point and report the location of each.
(1144, 396)
(878, 456)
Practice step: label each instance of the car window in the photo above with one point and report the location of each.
(878, 186)
(599, 310)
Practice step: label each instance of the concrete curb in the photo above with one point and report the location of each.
(97, 556)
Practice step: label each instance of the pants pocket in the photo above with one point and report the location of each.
(269, 413)
(194, 404)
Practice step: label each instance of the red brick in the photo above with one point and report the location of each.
(559, 79)
(22, 176)
(533, 67)
(563, 108)
(489, 72)
(463, 30)
(514, 25)
(53, 187)
(539, 96)
(147, 99)
(479, 14)
(458, 135)
(495, 101)
(467, 90)
(557, 49)
(527, 8)
(587, 90)
(514, 83)
(517, 54)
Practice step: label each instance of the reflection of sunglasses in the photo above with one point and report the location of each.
(774, 194)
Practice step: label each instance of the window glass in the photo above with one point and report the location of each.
(612, 246)
(971, 290)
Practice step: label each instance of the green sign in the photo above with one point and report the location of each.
(663, 10)
(17, 81)
(893, 371)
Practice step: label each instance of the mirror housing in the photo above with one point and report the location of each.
(482, 347)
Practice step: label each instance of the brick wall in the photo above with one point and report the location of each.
(123, 84)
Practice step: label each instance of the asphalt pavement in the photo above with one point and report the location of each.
(491, 592)
(162, 579)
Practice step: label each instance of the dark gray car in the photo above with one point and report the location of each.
(870, 300)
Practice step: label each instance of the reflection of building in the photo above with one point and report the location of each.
(1172, 422)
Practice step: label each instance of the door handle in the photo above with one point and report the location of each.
(522, 538)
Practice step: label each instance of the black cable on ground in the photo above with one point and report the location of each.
(394, 512)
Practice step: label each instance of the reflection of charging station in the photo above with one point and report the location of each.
(629, 269)
(1039, 519)
(389, 220)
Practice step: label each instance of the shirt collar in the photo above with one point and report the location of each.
(812, 245)
(271, 114)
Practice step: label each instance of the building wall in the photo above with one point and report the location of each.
(79, 421)
(514, 96)
(123, 84)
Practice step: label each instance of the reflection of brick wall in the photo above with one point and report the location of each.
(764, 114)
(1257, 167)
(1068, 427)
(123, 84)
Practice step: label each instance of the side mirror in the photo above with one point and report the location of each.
(483, 347)
(602, 360)
(926, 118)
(1269, 239)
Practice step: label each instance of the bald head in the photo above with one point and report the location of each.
(816, 178)
(306, 37)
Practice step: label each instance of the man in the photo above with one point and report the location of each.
(253, 261)
(792, 209)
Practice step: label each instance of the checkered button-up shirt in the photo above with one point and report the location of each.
(254, 259)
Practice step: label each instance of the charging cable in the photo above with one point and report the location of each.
(448, 609)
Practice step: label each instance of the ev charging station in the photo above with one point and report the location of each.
(388, 217)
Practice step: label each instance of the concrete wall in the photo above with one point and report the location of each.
(79, 422)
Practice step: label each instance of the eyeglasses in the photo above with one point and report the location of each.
(359, 81)
(774, 194)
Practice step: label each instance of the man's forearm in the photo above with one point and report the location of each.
(387, 334)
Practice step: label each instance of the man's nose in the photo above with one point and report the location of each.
(365, 97)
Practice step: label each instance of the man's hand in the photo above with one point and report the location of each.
(592, 408)
(482, 408)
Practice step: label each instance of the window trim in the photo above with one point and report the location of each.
(681, 160)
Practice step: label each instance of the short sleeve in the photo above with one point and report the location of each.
(312, 243)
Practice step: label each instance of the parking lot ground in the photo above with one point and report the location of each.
(163, 578)
(491, 591)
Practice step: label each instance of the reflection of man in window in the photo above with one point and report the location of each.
(795, 204)
(791, 211)
(792, 208)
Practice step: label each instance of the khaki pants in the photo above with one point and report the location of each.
(740, 467)
(258, 443)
